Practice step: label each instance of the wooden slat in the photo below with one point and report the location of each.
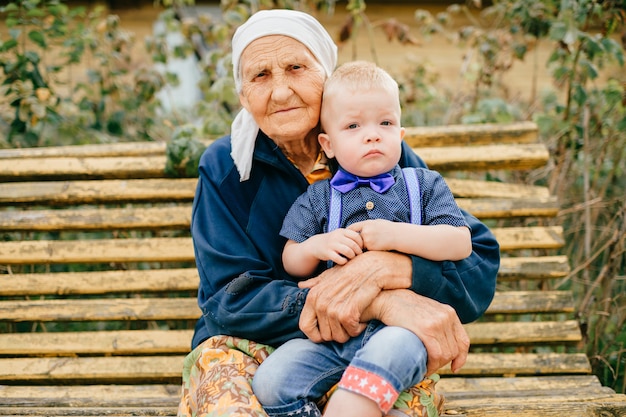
(121, 369)
(523, 364)
(100, 282)
(183, 189)
(481, 158)
(508, 208)
(540, 267)
(509, 302)
(131, 342)
(523, 302)
(181, 249)
(67, 168)
(451, 135)
(96, 192)
(128, 309)
(121, 342)
(97, 251)
(467, 188)
(179, 216)
(91, 150)
(454, 388)
(127, 218)
(511, 238)
(468, 135)
(186, 279)
(507, 333)
(156, 395)
(125, 369)
(89, 412)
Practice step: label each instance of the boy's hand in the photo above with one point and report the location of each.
(338, 246)
(376, 234)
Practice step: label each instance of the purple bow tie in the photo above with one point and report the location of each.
(344, 181)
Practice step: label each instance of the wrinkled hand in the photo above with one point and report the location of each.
(337, 298)
(436, 324)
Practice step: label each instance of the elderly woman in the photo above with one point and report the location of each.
(247, 183)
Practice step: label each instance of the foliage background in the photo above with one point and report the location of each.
(582, 118)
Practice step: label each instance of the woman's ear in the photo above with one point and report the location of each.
(324, 141)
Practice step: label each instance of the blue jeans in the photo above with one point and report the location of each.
(300, 372)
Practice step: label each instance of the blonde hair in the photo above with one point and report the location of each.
(358, 76)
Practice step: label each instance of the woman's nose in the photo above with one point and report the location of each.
(281, 89)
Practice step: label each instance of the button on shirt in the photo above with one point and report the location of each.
(309, 214)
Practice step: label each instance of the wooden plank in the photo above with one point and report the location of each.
(186, 308)
(120, 342)
(470, 135)
(467, 188)
(183, 189)
(488, 387)
(88, 219)
(97, 251)
(131, 342)
(481, 158)
(511, 238)
(540, 406)
(88, 412)
(97, 192)
(186, 279)
(161, 395)
(156, 395)
(127, 309)
(143, 369)
(493, 208)
(540, 267)
(100, 282)
(494, 333)
(476, 134)
(55, 168)
(180, 249)
(93, 370)
(179, 216)
(509, 364)
(90, 150)
(524, 302)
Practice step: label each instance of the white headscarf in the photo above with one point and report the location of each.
(298, 25)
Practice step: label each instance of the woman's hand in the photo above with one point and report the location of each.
(436, 324)
(338, 297)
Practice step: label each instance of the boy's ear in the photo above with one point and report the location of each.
(402, 132)
(324, 141)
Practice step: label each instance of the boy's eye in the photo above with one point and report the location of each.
(386, 123)
(353, 126)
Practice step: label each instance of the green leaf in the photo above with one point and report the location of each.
(37, 37)
(8, 45)
(11, 7)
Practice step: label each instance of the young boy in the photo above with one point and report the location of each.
(369, 204)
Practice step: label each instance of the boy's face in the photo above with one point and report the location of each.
(362, 131)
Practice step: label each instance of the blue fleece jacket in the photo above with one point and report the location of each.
(244, 290)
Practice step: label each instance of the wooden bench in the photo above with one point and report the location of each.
(98, 284)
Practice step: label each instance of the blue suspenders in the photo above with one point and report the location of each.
(415, 204)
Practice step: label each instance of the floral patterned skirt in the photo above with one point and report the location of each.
(217, 376)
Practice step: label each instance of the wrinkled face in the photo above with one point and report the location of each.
(281, 87)
(362, 131)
